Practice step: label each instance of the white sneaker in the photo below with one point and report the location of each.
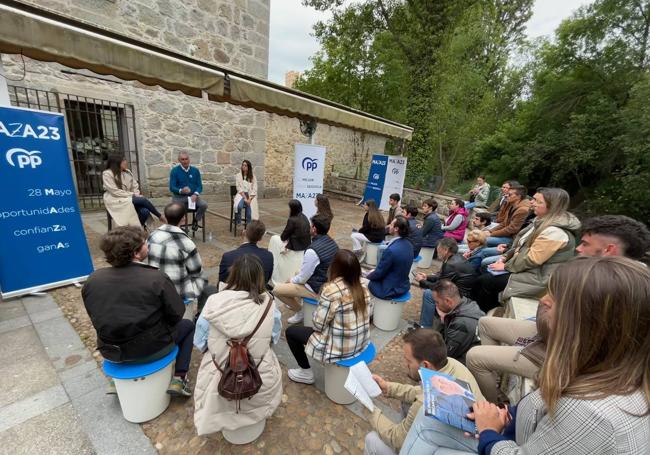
(296, 318)
(301, 375)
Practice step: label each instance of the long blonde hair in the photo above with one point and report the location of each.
(599, 343)
(557, 203)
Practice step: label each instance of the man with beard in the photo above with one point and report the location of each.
(422, 348)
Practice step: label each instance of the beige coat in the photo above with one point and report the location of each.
(117, 200)
(239, 182)
(232, 314)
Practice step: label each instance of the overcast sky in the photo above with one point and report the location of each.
(291, 43)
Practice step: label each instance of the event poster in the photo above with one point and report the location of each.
(42, 239)
(308, 171)
(385, 177)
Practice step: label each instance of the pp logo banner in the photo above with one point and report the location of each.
(22, 158)
(310, 164)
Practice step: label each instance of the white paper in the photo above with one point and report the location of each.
(191, 205)
(361, 385)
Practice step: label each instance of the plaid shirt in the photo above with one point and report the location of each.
(339, 333)
(174, 253)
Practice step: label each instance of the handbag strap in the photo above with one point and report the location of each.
(259, 323)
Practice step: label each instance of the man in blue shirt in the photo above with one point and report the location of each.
(184, 183)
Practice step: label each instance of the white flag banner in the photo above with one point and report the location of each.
(394, 180)
(308, 171)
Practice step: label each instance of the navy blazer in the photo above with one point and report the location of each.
(229, 258)
(391, 277)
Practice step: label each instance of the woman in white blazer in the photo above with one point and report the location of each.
(246, 197)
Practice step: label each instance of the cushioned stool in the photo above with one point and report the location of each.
(308, 308)
(387, 313)
(142, 387)
(427, 256)
(246, 434)
(371, 254)
(414, 266)
(337, 373)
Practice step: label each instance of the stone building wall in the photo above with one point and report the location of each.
(346, 150)
(231, 33)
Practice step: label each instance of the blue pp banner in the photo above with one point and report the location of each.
(376, 178)
(42, 241)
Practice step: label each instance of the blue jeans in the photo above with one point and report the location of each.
(489, 256)
(469, 205)
(428, 309)
(494, 241)
(430, 436)
(144, 206)
(243, 205)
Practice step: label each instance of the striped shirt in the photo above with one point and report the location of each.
(339, 333)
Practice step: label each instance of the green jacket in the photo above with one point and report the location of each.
(529, 278)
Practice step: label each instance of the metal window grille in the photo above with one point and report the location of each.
(95, 128)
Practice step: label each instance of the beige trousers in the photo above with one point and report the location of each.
(490, 358)
(291, 294)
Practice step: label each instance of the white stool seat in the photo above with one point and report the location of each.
(244, 435)
(387, 313)
(337, 373)
(308, 308)
(142, 387)
(371, 254)
(427, 257)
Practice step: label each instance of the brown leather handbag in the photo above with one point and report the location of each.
(239, 376)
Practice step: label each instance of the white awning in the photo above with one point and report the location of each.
(47, 36)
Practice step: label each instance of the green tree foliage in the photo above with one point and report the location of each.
(582, 127)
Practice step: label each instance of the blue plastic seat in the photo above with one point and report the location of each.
(310, 301)
(138, 370)
(367, 355)
(402, 298)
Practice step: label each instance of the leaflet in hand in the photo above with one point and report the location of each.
(361, 385)
(191, 205)
(497, 272)
(447, 399)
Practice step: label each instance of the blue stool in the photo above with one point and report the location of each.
(142, 387)
(308, 308)
(337, 373)
(387, 313)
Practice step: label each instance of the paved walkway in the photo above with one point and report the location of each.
(52, 399)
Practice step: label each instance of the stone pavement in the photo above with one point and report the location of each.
(306, 422)
(53, 397)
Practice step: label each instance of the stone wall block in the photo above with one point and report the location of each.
(161, 106)
(223, 157)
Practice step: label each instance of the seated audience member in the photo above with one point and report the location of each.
(175, 254)
(593, 394)
(499, 207)
(422, 348)
(246, 197)
(341, 320)
(135, 309)
(244, 308)
(415, 231)
(519, 206)
(609, 235)
(538, 249)
(456, 222)
(255, 230)
(432, 227)
(372, 229)
(323, 208)
(475, 245)
(294, 237)
(614, 235)
(391, 277)
(313, 271)
(482, 221)
(455, 316)
(479, 194)
(395, 209)
(122, 197)
(454, 268)
(185, 182)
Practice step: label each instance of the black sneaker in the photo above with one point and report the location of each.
(195, 225)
